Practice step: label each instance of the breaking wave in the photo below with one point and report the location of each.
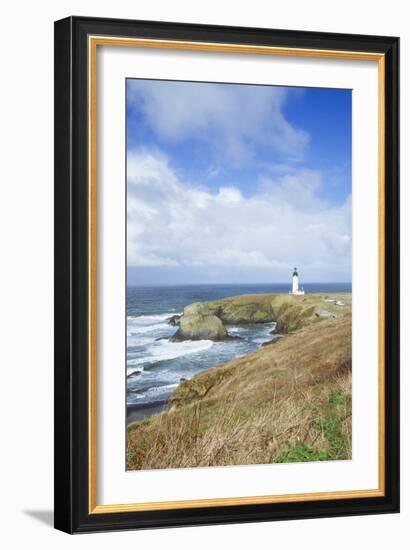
(164, 350)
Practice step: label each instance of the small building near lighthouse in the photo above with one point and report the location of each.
(296, 289)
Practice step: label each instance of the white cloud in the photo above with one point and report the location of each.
(173, 223)
(229, 196)
(232, 119)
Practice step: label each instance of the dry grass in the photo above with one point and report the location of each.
(290, 401)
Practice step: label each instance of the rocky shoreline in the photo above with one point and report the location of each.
(211, 320)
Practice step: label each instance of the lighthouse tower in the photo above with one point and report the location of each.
(296, 290)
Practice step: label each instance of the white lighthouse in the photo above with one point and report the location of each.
(296, 289)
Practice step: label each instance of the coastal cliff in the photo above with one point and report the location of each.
(289, 401)
(289, 312)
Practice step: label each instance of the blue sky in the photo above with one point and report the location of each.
(237, 183)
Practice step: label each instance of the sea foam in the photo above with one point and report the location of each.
(164, 350)
(147, 323)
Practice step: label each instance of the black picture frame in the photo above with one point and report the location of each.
(71, 492)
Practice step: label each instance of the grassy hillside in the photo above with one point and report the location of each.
(289, 401)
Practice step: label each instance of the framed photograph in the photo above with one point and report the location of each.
(226, 274)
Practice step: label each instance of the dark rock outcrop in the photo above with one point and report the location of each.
(174, 320)
(134, 374)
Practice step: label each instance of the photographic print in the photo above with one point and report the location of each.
(238, 274)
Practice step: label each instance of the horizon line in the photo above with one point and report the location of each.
(240, 284)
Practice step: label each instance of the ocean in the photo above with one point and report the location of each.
(156, 366)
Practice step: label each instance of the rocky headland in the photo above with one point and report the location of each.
(211, 320)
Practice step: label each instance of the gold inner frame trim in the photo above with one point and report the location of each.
(93, 42)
